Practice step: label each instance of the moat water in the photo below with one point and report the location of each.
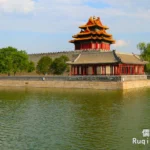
(73, 119)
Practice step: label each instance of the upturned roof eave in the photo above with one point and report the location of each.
(88, 63)
(85, 26)
(91, 33)
(135, 63)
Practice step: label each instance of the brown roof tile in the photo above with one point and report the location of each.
(95, 58)
(102, 57)
(129, 58)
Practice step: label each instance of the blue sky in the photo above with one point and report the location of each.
(47, 25)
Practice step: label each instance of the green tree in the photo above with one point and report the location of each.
(43, 65)
(145, 54)
(31, 66)
(145, 50)
(59, 65)
(20, 62)
(12, 60)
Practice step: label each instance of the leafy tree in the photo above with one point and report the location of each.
(12, 60)
(145, 54)
(20, 62)
(59, 65)
(43, 65)
(31, 66)
(145, 50)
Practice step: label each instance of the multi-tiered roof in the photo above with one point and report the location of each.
(93, 31)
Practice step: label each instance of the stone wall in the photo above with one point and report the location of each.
(70, 54)
(133, 77)
(77, 84)
(135, 84)
(63, 84)
(53, 55)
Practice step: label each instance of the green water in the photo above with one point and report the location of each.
(56, 119)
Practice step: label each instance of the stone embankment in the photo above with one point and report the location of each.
(112, 85)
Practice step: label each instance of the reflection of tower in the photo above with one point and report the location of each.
(93, 36)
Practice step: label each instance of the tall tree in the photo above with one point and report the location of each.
(145, 54)
(20, 62)
(145, 50)
(31, 66)
(12, 60)
(59, 65)
(43, 65)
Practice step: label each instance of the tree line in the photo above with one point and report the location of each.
(145, 54)
(57, 66)
(13, 61)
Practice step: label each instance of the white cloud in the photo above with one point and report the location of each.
(22, 6)
(62, 17)
(120, 43)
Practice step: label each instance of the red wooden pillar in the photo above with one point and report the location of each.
(81, 70)
(93, 70)
(132, 69)
(83, 67)
(83, 46)
(119, 69)
(103, 70)
(128, 69)
(96, 45)
(142, 69)
(86, 71)
(104, 46)
(108, 46)
(138, 70)
(115, 70)
(101, 45)
(72, 70)
(75, 70)
(124, 69)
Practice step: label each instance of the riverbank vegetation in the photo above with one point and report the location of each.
(56, 67)
(13, 60)
(145, 54)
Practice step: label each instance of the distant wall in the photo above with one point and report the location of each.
(70, 54)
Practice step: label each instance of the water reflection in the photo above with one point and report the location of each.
(35, 118)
